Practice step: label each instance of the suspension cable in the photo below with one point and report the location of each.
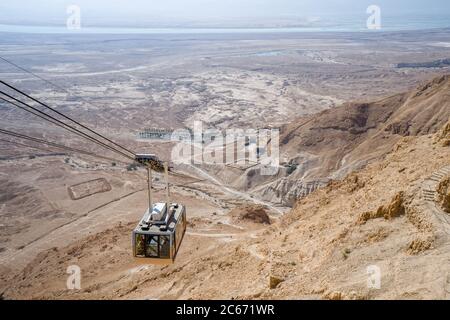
(56, 145)
(36, 114)
(66, 117)
(25, 145)
(65, 126)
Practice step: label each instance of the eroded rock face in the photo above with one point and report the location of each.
(443, 191)
(443, 136)
(420, 244)
(394, 209)
(274, 281)
(289, 191)
(251, 213)
(390, 211)
(338, 295)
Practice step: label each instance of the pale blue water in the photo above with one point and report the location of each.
(110, 30)
(356, 23)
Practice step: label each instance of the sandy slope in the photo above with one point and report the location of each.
(336, 142)
(381, 215)
(320, 250)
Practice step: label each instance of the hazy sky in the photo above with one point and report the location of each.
(129, 11)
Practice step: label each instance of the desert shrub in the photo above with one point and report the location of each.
(291, 168)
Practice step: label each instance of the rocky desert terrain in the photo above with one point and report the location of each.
(363, 183)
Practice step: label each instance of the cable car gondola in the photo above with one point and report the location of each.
(161, 230)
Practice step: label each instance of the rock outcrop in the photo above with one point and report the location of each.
(443, 191)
